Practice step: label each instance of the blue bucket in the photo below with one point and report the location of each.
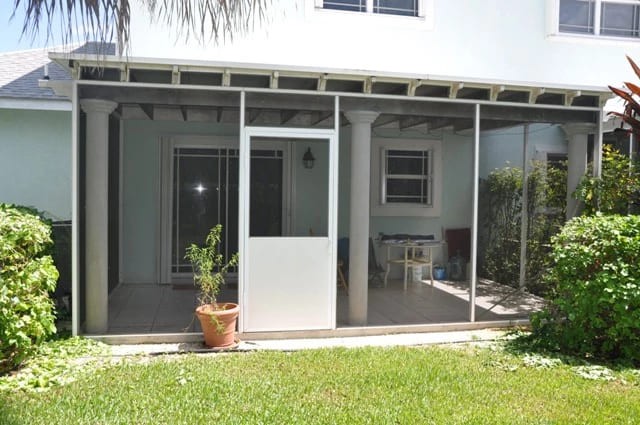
(439, 273)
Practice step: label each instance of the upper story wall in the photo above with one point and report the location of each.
(502, 40)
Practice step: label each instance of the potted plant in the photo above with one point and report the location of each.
(218, 320)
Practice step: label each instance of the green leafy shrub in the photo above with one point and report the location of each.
(501, 218)
(594, 307)
(617, 191)
(27, 275)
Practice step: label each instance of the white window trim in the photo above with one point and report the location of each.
(542, 154)
(314, 11)
(378, 208)
(553, 26)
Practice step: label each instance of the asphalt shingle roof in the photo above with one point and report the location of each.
(20, 71)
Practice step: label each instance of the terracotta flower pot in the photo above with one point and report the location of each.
(224, 318)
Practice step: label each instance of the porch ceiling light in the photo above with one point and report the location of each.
(308, 159)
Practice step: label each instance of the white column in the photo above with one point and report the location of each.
(96, 213)
(359, 217)
(577, 138)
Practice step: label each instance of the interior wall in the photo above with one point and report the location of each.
(311, 189)
(141, 190)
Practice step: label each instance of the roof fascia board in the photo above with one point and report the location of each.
(310, 72)
(35, 104)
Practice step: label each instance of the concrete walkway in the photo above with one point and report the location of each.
(409, 339)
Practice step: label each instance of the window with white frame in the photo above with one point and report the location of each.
(387, 7)
(406, 177)
(616, 18)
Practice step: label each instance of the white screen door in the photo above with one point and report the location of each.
(288, 279)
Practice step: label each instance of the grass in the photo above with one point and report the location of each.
(336, 386)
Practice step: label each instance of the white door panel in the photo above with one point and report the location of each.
(289, 284)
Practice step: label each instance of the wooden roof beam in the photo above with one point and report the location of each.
(318, 117)
(494, 92)
(384, 120)
(287, 115)
(147, 108)
(570, 96)
(322, 82)
(410, 122)
(412, 86)
(454, 88)
(175, 75)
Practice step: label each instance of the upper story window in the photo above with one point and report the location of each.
(388, 7)
(617, 18)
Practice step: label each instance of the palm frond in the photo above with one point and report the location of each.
(110, 20)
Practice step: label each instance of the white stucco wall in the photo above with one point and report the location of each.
(501, 148)
(502, 40)
(35, 160)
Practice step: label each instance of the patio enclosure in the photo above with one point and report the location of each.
(389, 159)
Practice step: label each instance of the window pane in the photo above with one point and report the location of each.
(266, 196)
(576, 16)
(352, 5)
(396, 7)
(557, 161)
(619, 20)
(405, 188)
(405, 166)
(196, 192)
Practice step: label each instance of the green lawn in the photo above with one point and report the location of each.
(440, 385)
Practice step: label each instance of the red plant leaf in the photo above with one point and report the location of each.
(634, 123)
(635, 67)
(631, 102)
(635, 89)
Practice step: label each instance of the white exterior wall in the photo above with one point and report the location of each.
(35, 160)
(501, 40)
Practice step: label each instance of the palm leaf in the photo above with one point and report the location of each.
(110, 20)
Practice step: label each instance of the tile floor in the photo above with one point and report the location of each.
(151, 308)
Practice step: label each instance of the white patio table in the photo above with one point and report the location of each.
(415, 253)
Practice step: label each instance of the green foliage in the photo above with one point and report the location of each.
(55, 363)
(27, 276)
(617, 191)
(594, 305)
(209, 267)
(501, 218)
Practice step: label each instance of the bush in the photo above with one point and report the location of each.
(27, 275)
(500, 217)
(594, 307)
(617, 191)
